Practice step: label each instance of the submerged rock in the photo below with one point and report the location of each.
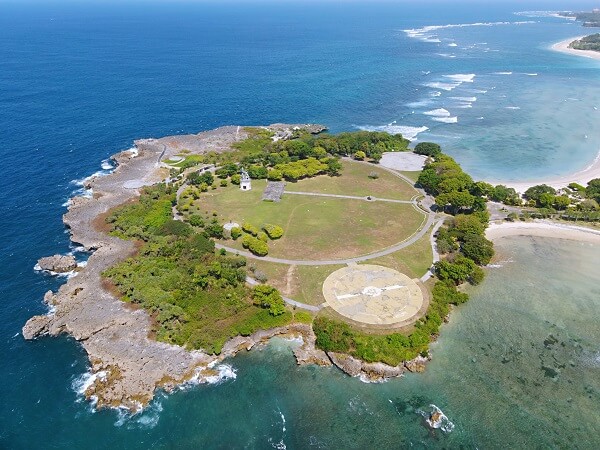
(58, 263)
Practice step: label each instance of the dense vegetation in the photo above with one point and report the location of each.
(395, 348)
(465, 249)
(304, 155)
(587, 43)
(197, 298)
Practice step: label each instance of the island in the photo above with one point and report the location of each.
(209, 244)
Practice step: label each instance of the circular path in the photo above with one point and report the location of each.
(374, 295)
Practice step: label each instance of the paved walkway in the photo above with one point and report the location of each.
(252, 282)
(352, 197)
(430, 219)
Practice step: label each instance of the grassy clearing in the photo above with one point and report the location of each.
(413, 260)
(414, 175)
(355, 180)
(311, 280)
(301, 283)
(312, 224)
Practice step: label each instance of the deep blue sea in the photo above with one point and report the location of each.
(79, 81)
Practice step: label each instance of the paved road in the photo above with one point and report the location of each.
(436, 255)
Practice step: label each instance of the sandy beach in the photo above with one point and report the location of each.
(543, 229)
(563, 47)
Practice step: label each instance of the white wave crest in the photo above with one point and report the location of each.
(443, 86)
(452, 44)
(408, 132)
(513, 107)
(445, 119)
(446, 55)
(465, 99)
(441, 112)
(503, 73)
(462, 77)
(426, 34)
(436, 419)
(436, 93)
(217, 375)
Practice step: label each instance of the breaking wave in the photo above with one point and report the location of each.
(408, 132)
(441, 112)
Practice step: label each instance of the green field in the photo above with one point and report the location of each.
(413, 260)
(316, 227)
(355, 181)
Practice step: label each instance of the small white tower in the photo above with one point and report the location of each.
(245, 182)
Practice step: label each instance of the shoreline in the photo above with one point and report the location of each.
(563, 47)
(544, 229)
(127, 366)
(584, 176)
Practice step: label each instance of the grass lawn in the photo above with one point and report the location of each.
(414, 175)
(354, 180)
(315, 227)
(413, 260)
(300, 283)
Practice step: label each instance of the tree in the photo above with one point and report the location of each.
(455, 201)
(360, 155)
(274, 175)
(334, 167)
(561, 202)
(534, 192)
(236, 232)
(428, 149)
(267, 296)
(545, 200)
(457, 271)
(593, 190)
(463, 224)
(477, 248)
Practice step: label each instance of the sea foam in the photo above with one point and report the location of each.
(408, 132)
(441, 112)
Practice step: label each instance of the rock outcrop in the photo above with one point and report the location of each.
(58, 263)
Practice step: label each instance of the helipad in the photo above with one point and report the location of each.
(372, 294)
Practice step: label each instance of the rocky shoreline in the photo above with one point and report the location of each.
(126, 364)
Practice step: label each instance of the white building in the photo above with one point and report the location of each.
(245, 182)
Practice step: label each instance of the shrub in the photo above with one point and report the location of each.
(260, 276)
(255, 245)
(262, 236)
(273, 231)
(360, 155)
(428, 149)
(249, 228)
(267, 296)
(303, 317)
(174, 228)
(236, 232)
(236, 179)
(373, 175)
(196, 220)
(274, 175)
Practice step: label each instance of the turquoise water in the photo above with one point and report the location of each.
(81, 82)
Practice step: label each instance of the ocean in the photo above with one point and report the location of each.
(518, 366)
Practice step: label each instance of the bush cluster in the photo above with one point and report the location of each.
(255, 245)
(273, 231)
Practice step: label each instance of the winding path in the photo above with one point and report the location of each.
(330, 262)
